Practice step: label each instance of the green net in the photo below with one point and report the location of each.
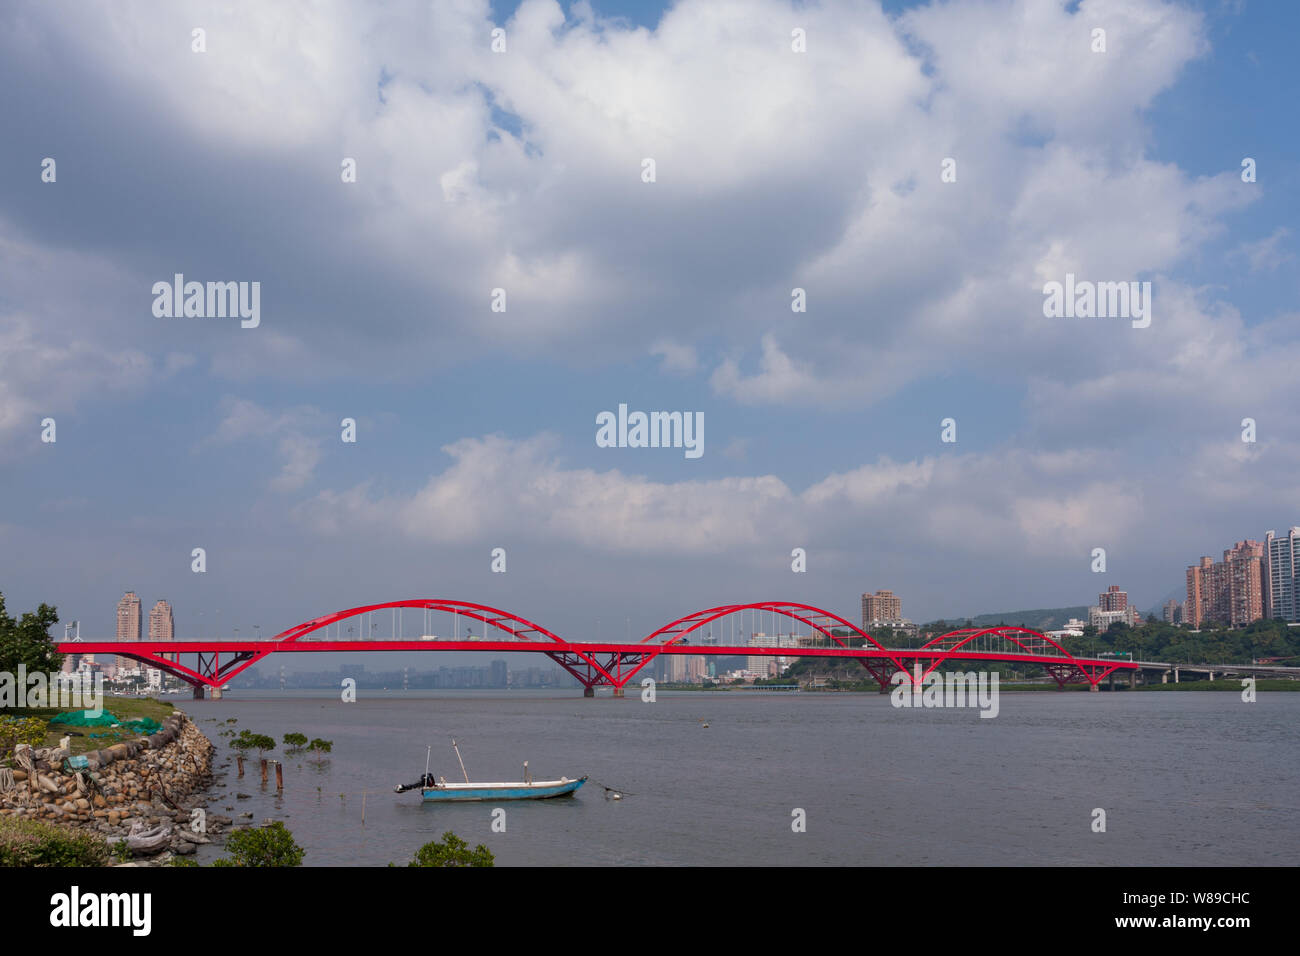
(143, 726)
(82, 718)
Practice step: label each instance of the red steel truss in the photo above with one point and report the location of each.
(598, 664)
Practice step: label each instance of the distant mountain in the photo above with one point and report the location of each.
(1043, 619)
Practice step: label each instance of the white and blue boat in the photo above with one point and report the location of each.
(434, 790)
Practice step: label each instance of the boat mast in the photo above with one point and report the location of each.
(458, 757)
(427, 754)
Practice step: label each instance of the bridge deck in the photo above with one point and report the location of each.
(127, 648)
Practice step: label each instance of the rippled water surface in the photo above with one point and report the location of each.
(1185, 778)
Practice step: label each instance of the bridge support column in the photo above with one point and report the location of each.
(1112, 681)
(589, 691)
(618, 692)
(1132, 680)
(1095, 688)
(216, 693)
(1175, 675)
(198, 691)
(1211, 675)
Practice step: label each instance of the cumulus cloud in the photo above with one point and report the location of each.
(522, 171)
(514, 489)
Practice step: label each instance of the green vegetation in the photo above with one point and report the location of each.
(125, 708)
(319, 749)
(36, 843)
(20, 730)
(1157, 641)
(247, 740)
(295, 742)
(26, 640)
(266, 846)
(1041, 619)
(451, 850)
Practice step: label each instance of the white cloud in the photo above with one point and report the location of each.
(511, 490)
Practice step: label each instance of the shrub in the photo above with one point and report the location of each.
(36, 843)
(452, 851)
(20, 730)
(267, 846)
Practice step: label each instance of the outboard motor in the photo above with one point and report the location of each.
(426, 781)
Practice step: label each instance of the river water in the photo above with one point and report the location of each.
(1191, 778)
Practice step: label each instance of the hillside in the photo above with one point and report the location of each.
(1042, 619)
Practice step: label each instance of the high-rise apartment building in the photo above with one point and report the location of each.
(1112, 607)
(1228, 592)
(1282, 575)
(1113, 599)
(162, 624)
(128, 627)
(881, 606)
(1244, 569)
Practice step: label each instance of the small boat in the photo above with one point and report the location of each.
(434, 790)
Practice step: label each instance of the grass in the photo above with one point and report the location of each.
(124, 708)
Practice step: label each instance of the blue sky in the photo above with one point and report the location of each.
(522, 170)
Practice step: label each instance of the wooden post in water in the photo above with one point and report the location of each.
(279, 775)
(264, 771)
(363, 808)
(239, 759)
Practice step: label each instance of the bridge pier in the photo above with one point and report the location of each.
(1175, 675)
(618, 692)
(1094, 688)
(215, 694)
(198, 691)
(1112, 681)
(588, 691)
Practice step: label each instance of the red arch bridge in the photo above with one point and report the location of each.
(716, 631)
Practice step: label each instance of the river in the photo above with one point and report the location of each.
(1191, 778)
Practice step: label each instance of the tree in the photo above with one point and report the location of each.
(266, 846)
(295, 742)
(320, 748)
(247, 740)
(452, 851)
(27, 641)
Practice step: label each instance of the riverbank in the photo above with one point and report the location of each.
(104, 785)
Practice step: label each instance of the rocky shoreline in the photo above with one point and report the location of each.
(148, 783)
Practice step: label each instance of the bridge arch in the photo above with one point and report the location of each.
(819, 619)
(512, 624)
(1034, 644)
